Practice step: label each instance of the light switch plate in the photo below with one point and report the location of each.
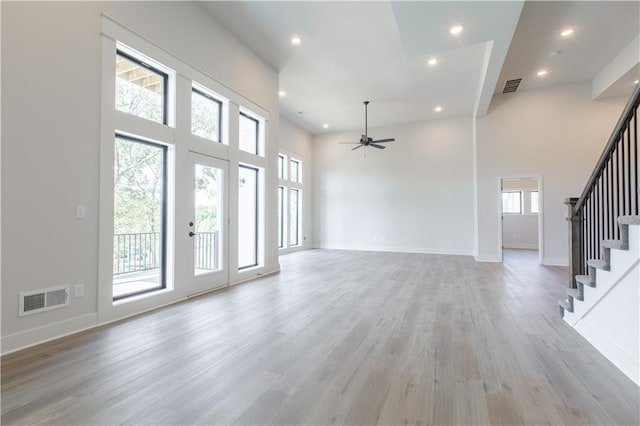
(81, 211)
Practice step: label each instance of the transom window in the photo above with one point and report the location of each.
(294, 173)
(141, 89)
(206, 116)
(249, 133)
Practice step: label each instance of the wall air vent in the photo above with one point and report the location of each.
(35, 301)
(511, 85)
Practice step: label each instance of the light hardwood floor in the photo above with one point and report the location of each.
(338, 337)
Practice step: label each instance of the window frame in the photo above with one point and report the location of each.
(257, 218)
(520, 204)
(537, 210)
(164, 232)
(165, 85)
(297, 191)
(257, 138)
(282, 172)
(281, 213)
(204, 94)
(298, 164)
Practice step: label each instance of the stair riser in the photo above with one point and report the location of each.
(620, 261)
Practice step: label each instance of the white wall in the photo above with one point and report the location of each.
(297, 142)
(557, 133)
(520, 231)
(414, 196)
(51, 78)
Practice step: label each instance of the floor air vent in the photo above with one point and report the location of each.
(511, 85)
(32, 302)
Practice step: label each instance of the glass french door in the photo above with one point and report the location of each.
(207, 253)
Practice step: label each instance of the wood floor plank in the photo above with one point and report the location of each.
(338, 337)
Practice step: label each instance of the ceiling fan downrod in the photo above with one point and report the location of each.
(366, 103)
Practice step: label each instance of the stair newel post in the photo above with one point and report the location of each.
(573, 218)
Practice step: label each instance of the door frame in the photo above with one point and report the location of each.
(184, 257)
(540, 215)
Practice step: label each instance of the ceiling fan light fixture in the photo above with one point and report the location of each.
(567, 32)
(456, 29)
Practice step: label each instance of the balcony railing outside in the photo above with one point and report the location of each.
(206, 251)
(138, 252)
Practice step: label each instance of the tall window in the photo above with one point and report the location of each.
(249, 133)
(280, 216)
(512, 202)
(534, 202)
(206, 116)
(141, 89)
(139, 217)
(289, 202)
(294, 217)
(247, 217)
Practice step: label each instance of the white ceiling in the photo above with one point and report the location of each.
(377, 51)
(602, 29)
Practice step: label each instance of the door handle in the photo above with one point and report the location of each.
(191, 233)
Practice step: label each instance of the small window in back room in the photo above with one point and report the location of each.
(512, 202)
(534, 202)
(141, 89)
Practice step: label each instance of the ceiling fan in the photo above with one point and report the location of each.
(365, 140)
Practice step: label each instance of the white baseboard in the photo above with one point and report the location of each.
(521, 246)
(398, 249)
(288, 250)
(35, 336)
(629, 366)
(493, 259)
(551, 261)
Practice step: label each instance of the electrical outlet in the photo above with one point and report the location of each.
(81, 211)
(78, 290)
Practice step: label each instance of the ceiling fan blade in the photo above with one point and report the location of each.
(384, 140)
(348, 143)
(359, 146)
(377, 146)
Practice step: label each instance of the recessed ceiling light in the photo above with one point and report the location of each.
(567, 32)
(296, 40)
(636, 81)
(542, 73)
(456, 29)
(432, 61)
(325, 125)
(282, 93)
(438, 108)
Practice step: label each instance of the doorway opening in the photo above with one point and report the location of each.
(521, 235)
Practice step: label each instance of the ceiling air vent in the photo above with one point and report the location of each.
(32, 302)
(511, 85)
